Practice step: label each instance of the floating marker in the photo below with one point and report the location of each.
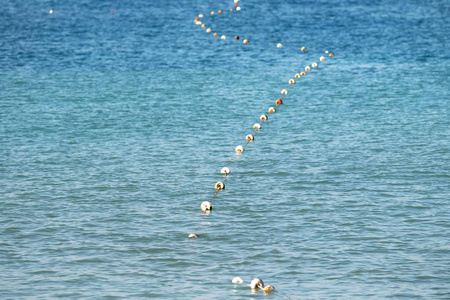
(246, 41)
(231, 9)
(279, 45)
(219, 186)
(263, 118)
(236, 1)
(203, 26)
(220, 11)
(314, 65)
(271, 110)
(200, 15)
(212, 13)
(297, 75)
(303, 49)
(206, 206)
(237, 280)
(239, 149)
(193, 236)
(307, 68)
(291, 81)
(303, 73)
(238, 8)
(208, 30)
(50, 11)
(249, 138)
(198, 23)
(268, 289)
(236, 37)
(223, 37)
(256, 126)
(284, 92)
(322, 58)
(225, 170)
(215, 34)
(331, 54)
(279, 102)
(257, 283)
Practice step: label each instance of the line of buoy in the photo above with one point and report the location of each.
(206, 206)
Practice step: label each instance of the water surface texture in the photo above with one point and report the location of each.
(114, 127)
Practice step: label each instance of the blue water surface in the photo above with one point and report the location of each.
(114, 126)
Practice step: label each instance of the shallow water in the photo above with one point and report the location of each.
(114, 127)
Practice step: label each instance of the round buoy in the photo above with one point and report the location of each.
(198, 23)
(271, 110)
(279, 102)
(246, 41)
(212, 13)
(307, 68)
(239, 149)
(231, 9)
(236, 1)
(314, 65)
(223, 37)
(284, 92)
(291, 81)
(219, 186)
(50, 11)
(322, 58)
(297, 75)
(208, 30)
(237, 280)
(203, 26)
(236, 37)
(326, 52)
(225, 170)
(303, 73)
(220, 11)
(331, 54)
(200, 15)
(263, 118)
(257, 283)
(193, 236)
(268, 289)
(206, 206)
(215, 34)
(249, 138)
(279, 45)
(256, 126)
(238, 8)
(303, 49)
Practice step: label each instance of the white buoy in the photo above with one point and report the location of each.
(225, 170)
(212, 13)
(237, 280)
(257, 283)
(205, 206)
(314, 65)
(245, 41)
(238, 8)
(279, 45)
(322, 58)
(200, 15)
(307, 68)
(297, 75)
(50, 11)
(219, 186)
(193, 236)
(271, 110)
(284, 92)
(263, 118)
(303, 49)
(208, 30)
(223, 37)
(239, 149)
(236, 1)
(256, 126)
(198, 23)
(249, 137)
(291, 81)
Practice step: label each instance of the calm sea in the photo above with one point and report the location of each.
(117, 116)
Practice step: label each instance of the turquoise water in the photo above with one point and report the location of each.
(114, 127)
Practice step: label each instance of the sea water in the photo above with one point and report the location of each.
(116, 118)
